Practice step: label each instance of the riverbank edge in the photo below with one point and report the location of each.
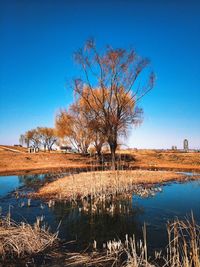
(43, 170)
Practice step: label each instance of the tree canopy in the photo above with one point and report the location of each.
(41, 136)
(110, 88)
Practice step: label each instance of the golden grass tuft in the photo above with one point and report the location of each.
(22, 239)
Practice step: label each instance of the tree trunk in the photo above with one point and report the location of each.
(99, 155)
(98, 150)
(113, 147)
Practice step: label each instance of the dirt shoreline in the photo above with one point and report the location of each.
(43, 170)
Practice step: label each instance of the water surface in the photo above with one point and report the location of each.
(129, 216)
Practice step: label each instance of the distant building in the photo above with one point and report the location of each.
(66, 148)
(185, 145)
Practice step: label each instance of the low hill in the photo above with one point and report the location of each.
(18, 149)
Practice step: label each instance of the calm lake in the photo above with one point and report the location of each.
(170, 201)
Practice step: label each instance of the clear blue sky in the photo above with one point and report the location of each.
(37, 41)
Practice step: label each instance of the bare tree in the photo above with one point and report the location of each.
(98, 141)
(73, 127)
(22, 139)
(32, 138)
(47, 137)
(110, 89)
(41, 136)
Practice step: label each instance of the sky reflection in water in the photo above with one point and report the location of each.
(176, 200)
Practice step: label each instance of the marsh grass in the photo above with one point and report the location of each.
(21, 239)
(129, 253)
(184, 243)
(102, 184)
(183, 250)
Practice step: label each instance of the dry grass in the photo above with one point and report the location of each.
(166, 160)
(184, 243)
(23, 239)
(93, 259)
(129, 253)
(11, 162)
(102, 183)
(183, 250)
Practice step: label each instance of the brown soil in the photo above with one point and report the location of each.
(17, 163)
(14, 162)
(164, 160)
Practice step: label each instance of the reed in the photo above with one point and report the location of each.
(183, 250)
(103, 183)
(20, 239)
(116, 253)
(184, 243)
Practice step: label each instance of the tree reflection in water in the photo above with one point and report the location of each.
(111, 219)
(34, 181)
(86, 219)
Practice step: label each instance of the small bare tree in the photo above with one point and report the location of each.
(98, 141)
(47, 137)
(41, 136)
(32, 138)
(72, 126)
(22, 139)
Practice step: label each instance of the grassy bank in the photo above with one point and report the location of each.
(12, 162)
(19, 240)
(21, 163)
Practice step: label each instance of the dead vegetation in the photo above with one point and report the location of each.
(129, 254)
(102, 183)
(21, 239)
(182, 250)
(184, 243)
(163, 159)
(13, 162)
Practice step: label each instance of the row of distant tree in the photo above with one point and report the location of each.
(40, 137)
(106, 101)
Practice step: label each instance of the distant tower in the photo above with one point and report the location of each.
(185, 145)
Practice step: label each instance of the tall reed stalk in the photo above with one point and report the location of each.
(184, 243)
(183, 250)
